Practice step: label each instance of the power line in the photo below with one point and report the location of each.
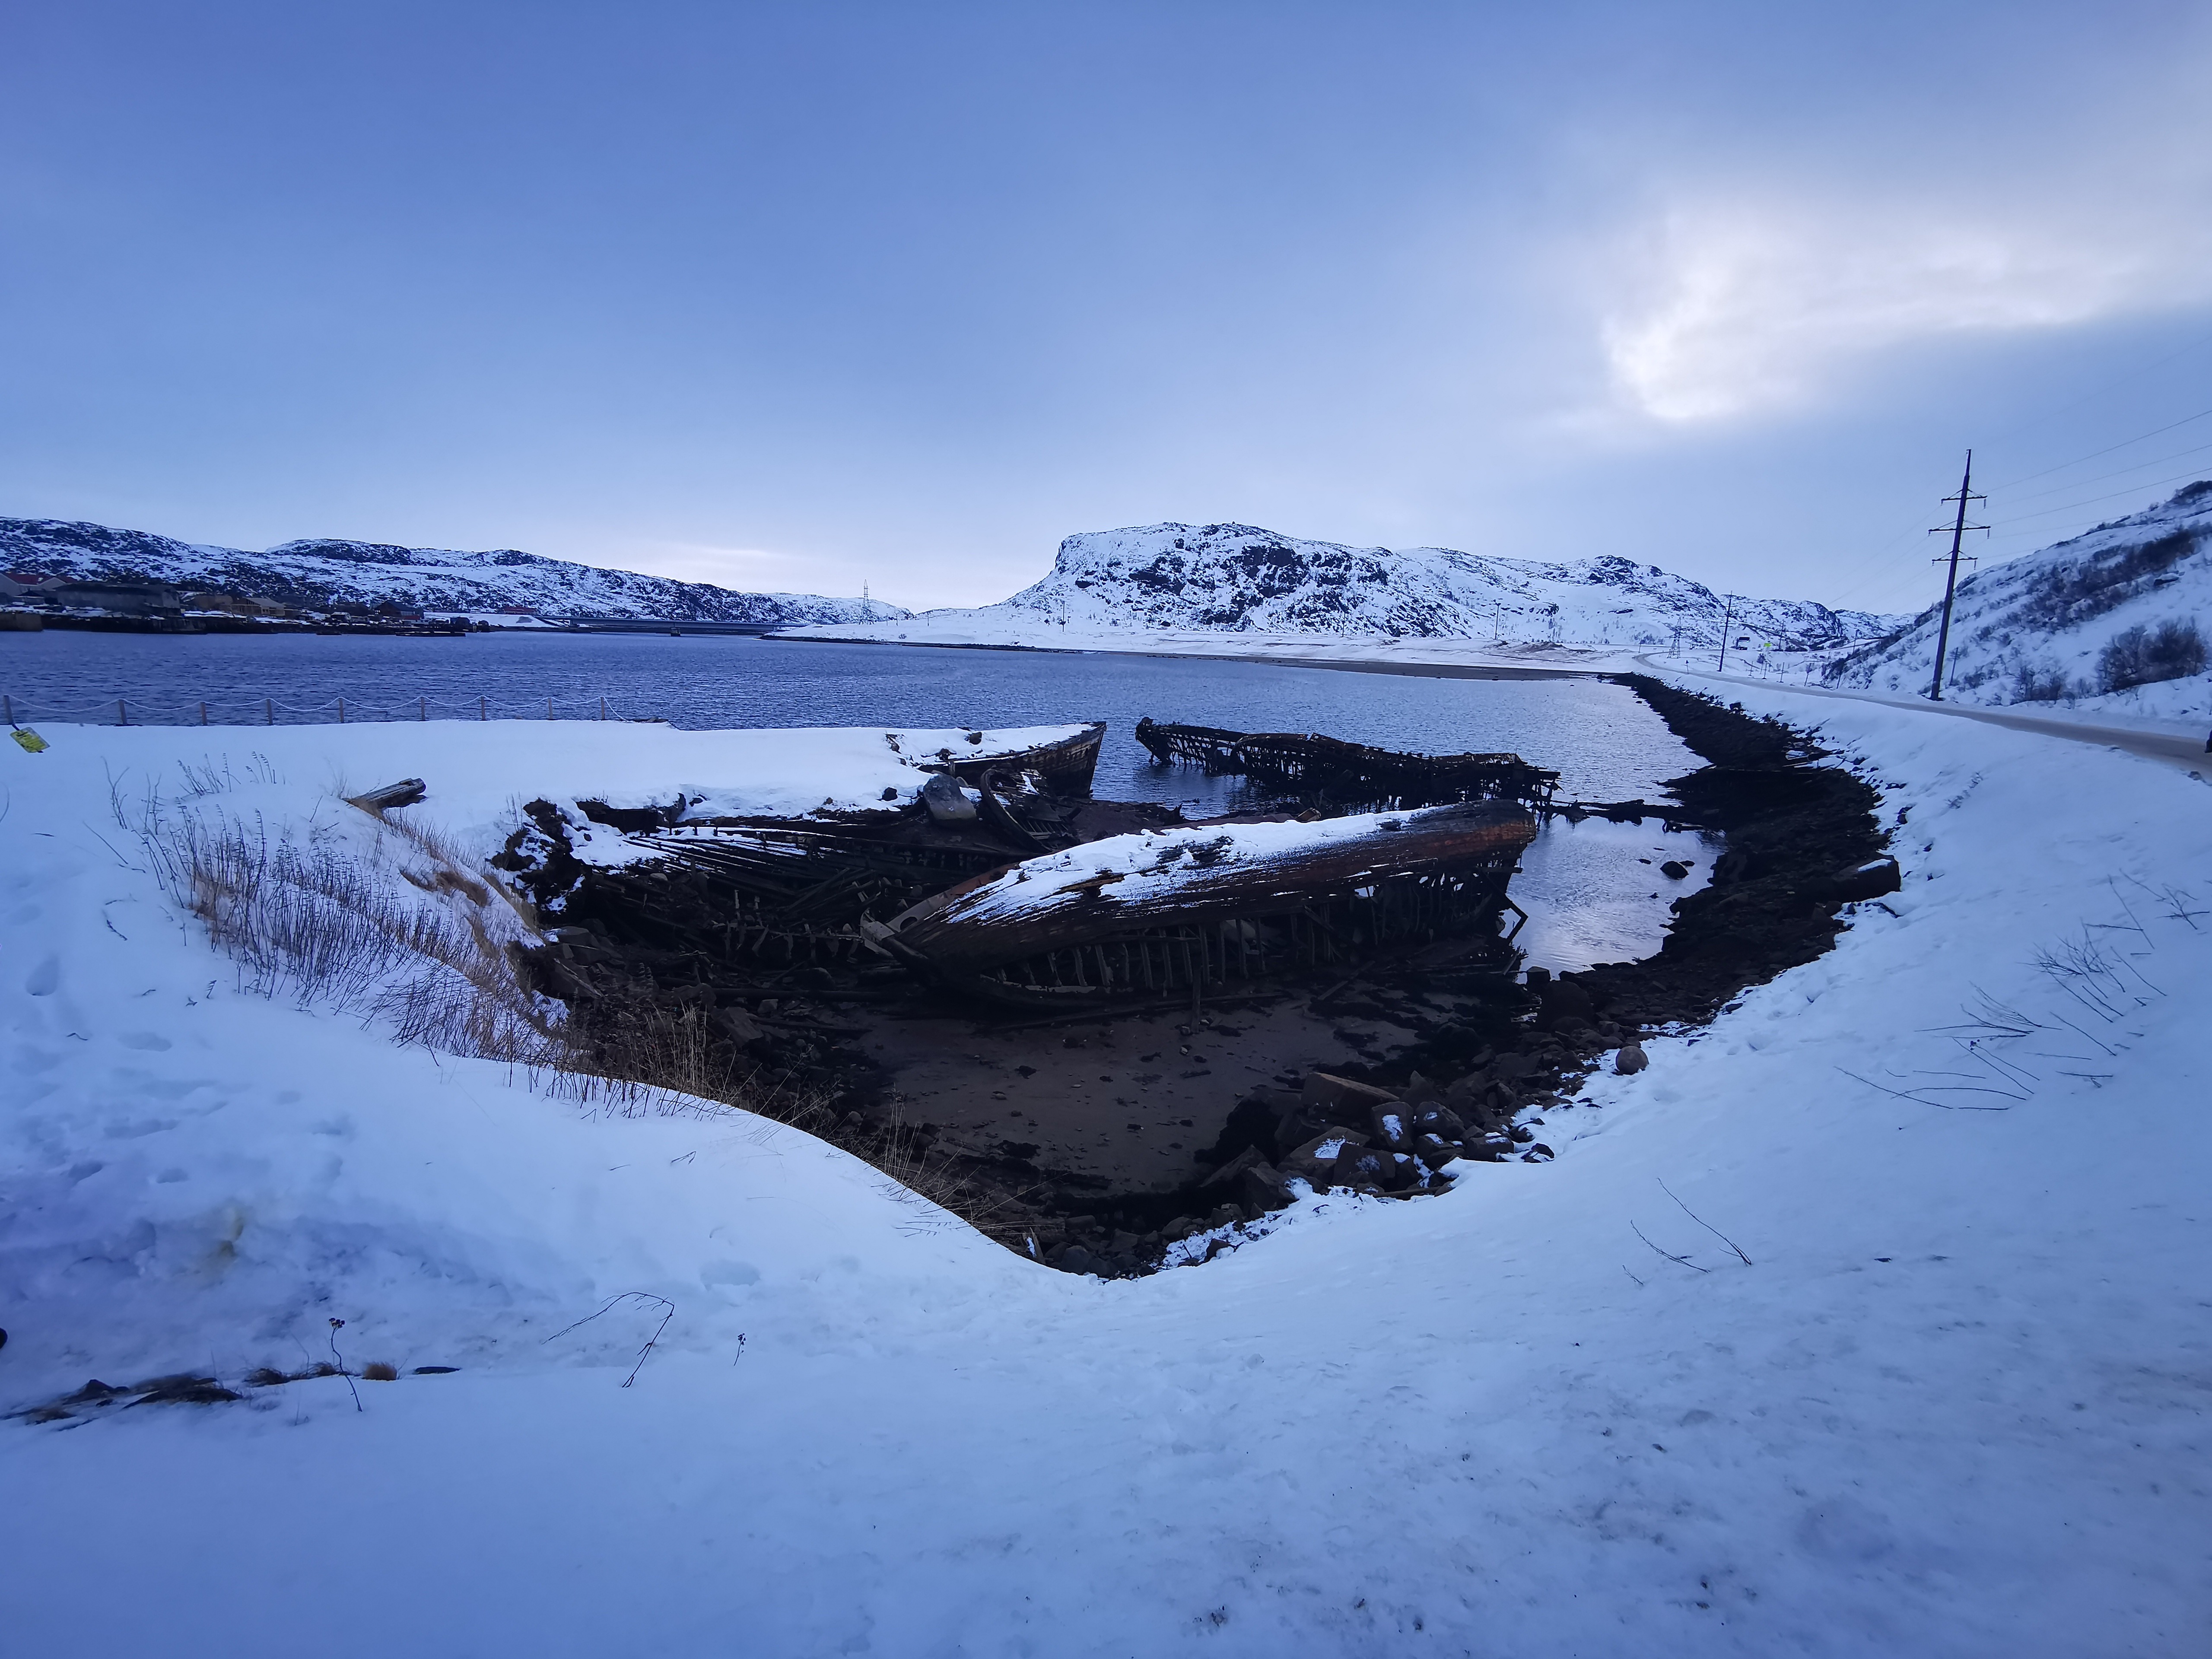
(2156, 460)
(2095, 454)
(2194, 472)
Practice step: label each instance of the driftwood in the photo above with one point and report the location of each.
(1310, 764)
(1176, 910)
(405, 792)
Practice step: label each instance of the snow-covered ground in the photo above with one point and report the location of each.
(1954, 1404)
(2036, 632)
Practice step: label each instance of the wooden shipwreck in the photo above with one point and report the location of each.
(1173, 912)
(1313, 766)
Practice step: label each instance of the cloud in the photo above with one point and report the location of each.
(1742, 309)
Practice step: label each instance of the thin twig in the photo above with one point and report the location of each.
(337, 1325)
(1706, 1224)
(650, 1342)
(1684, 1260)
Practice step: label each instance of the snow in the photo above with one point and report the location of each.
(1955, 1405)
(318, 574)
(2031, 630)
(1233, 585)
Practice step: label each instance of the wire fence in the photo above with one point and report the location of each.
(338, 711)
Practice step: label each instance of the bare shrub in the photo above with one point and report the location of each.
(2144, 655)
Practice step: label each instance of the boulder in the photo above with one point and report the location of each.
(945, 801)
(1262, 1187)
(1435, 1151)
(1391, 1127)
(1630, 1059)
(1674, 870)
(1440, 1122)
(1317, 1159)
(1869, 880)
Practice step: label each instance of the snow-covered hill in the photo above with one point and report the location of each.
(2111, 620)
(316, 575)
(1236, 579)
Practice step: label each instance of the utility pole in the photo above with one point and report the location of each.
(1727, 618)
(1958, 527)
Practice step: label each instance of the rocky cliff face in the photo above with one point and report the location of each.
(2113, 619)
(318, 574)
(1241, 579)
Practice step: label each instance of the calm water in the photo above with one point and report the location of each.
(1589, 895)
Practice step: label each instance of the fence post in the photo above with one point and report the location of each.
(269, 707)
(122, 715)
(603, 708)
(484, 708)
(341, 711)
(425, 714)
(549, 709)
(203, 714)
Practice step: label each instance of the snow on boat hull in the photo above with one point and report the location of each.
(1169, 913)
(1309, 764)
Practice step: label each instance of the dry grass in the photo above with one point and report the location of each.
(403, 932)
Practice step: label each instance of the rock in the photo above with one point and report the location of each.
(1521, 1134)
(738, 1025)
(1439, 1121)
(1420, 1091)
(1674, 870)
(1869, 880)
(1322, 1089)
(1077, 1260)
(1124, 1244)
(1366, 1167)
(1630, 1059)
(1495, 1145)
(1227, 1174)
(1391, 1128)
(1263, 1188)
(1227, 1216)
(1435, 1151)
(1539, 1153)
(1317, 1159)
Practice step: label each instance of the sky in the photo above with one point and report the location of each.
(804, 297)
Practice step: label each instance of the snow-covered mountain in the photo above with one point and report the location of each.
(2112, 620)
(1234, 578)
(316, 575)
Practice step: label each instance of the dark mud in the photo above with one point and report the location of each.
(1098, 1142)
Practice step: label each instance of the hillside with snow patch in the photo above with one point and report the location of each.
(1239, 580)
(2111, 620)
(321, 574)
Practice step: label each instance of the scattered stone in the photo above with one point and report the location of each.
(1322, 1089)
(1674, 869)
(1631, 1059)
(1390, 1128)
(1870, 880)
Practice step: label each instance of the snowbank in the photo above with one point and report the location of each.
(1955, 1405)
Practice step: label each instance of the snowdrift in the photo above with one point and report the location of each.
(1951, 1403)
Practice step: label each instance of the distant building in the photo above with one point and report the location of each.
(120, 599)
(27, 585)
(234, 605)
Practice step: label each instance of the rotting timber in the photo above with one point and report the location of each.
(1309, 766)
(1023, 1106)
(1181, 912)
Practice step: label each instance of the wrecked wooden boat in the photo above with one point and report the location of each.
(1313, 766)
(1065, 766)
(1173, 913)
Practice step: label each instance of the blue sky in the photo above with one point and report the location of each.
(800, 296)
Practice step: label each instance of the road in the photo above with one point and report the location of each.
(2187, 753)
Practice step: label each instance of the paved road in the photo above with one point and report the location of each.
(2185, 753)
